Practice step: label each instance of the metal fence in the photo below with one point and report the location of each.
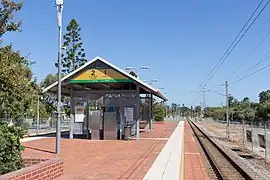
(254, 136)
(43, 125)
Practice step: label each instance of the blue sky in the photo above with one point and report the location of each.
(180, 40)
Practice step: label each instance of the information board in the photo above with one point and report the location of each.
(79, 113)
(128, 114)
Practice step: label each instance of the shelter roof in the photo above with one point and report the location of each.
(99, 74)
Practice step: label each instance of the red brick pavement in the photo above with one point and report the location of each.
(194, 168)
(102, 160)
(161, 130)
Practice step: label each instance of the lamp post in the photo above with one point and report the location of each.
(59, 7)
(137, 69)
(151, 81)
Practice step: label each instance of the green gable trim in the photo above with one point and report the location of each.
(100, 81)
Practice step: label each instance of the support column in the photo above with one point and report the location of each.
(72, 114)
(150, 112)
(138, 114)
(88, 131)
(122, 119)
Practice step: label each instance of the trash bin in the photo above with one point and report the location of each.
(101, 134)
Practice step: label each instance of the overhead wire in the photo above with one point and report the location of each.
(253, 66)
(248, 75)
(233, 41)
(251, 54)
(216, 92)
(238, 40)
(232, 47)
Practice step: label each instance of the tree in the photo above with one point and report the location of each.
(174, 109)
(7, 10)
(73, 56)
(198, 109)
(133, 74)
(217, 113)
(16, 85)
(50, 99)
(264, 96)
(159, 111)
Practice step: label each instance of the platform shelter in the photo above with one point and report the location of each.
(105, 101)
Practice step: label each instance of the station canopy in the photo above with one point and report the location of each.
(99, 74)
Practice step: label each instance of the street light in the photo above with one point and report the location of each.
(59, 8)
(151, 81)
(145, 67)
(137, 69)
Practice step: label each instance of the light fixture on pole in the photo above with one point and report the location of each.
(59, 7)
(152, 81)
(137, 69)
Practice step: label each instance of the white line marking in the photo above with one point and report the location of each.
(167, 164)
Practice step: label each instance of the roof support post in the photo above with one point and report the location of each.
(138, 114)
(87, 130)
(122, 119)
(150, 104)
(72, 114)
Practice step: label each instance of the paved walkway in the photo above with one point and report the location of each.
(168, 163)
(101, 160)
(170, 152)
(193, 168)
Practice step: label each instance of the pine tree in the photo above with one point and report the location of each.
(73, 53)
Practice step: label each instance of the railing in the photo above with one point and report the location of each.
(44, 125)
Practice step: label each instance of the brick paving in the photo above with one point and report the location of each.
(194, 168)
(161, 130)
(101, 160)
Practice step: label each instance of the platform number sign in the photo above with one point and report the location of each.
(102, 72)
(93, 72)
(100, 75)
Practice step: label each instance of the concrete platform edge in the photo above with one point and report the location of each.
(168, 163)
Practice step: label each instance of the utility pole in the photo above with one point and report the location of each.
(203, 93)
(227, 110)
(59, 6)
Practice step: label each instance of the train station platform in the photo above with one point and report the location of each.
(170, 152)
(193, 166)
(180, 158)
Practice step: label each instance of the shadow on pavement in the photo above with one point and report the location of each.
(41, 150)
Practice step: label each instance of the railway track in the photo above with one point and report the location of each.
(223, 166)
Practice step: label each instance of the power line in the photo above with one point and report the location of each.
(216, 85)
(238, 40)
(252, 67)
(251, 54)
(229, 50)
(233, 41)
(216, 92)
(244, 77)
(202, 92)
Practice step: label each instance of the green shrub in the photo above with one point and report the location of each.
(159, 114)
(10, 148)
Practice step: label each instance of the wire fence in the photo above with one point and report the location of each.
(43, 125)
(253, 136)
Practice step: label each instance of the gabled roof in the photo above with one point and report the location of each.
(144, 85)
